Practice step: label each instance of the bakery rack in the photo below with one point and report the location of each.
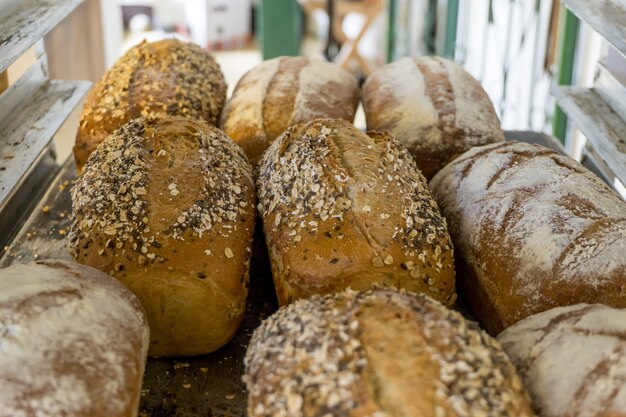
(600, 111)
(32, 109)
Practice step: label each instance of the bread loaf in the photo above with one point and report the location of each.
(532, 230)
(73, 342)
(572, 360)
(164, 77)
(282, 92)
(343, 209)
(378, 353)
(433, 107)
(167, 206)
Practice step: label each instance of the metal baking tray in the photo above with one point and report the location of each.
(206, 385)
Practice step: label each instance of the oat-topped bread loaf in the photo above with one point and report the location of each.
(341, 208)
(282, 92)
(167, 206)
(532, 230)
(572, 360)
(73, 342)
(165, 77)
(433, 107)
(378, 353)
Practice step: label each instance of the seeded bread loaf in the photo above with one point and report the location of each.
(572, 360)
(167, 206)
(164, 77)
(433, 107)
(532, 230)
(378, 353)
(343, 209)
(73, 342)
(282, 92)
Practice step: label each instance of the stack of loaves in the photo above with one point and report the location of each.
(362, 258)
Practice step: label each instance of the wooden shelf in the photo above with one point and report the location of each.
(23, 23)
(607, 17)
(602, 126)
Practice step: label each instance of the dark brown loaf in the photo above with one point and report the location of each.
(378, 353)
(282, 92)
(164, 77)
(343, 209)
(433, 107)
(532, 230)
(167, 206)
(572, 360)
(73, 342)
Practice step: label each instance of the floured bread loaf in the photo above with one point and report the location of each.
(282, 92)
(73, 342)
(532, 230)
(433, 107)
(342, 208)
(378, 353)
(167, 206)
(572, 360)
(167, 77)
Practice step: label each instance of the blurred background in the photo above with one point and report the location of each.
(517, 49)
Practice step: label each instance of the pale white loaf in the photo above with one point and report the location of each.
(433, 107)
(73, 343)
(282, 92)
(572, 360)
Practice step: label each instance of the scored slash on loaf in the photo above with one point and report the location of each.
(167, 205)
(73, 342)
(343, 209)
(167, 77)
(433, 107)
(378, 353)
(572, 360)
(532, 230)
(282, 92)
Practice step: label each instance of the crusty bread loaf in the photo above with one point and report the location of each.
(167, 206)
(343, 209)
(73, 342)
(433, 107)
(378, 353)
(532, 230)
(572, 360)
(282, 92)
(164, 77)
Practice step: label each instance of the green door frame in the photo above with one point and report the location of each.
(568, 41)
(452, 19)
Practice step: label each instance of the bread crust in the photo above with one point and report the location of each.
(167, 206)
(343, 209)
(583, 347)
(73, 342)
(282, 92)
(165, 77)
(433, 107)
(532, 230)
(378, 353)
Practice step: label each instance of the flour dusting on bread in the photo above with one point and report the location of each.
(65, 329)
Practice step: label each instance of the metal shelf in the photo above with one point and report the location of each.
(602, 126)
(28, 128)
(607, 17)
(23, 23)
